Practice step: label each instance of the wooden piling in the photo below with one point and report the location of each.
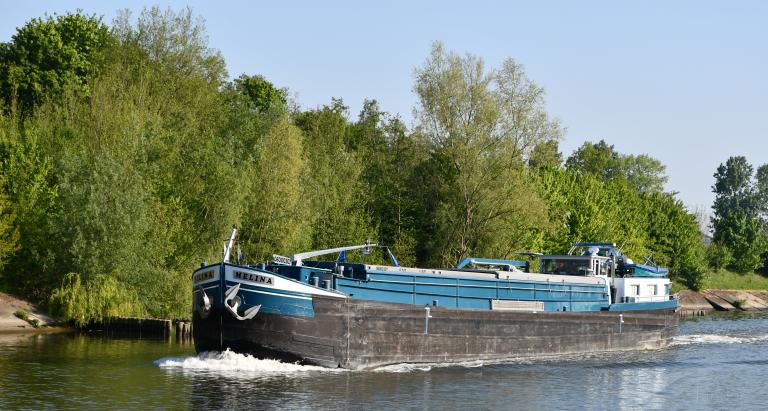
(133, 326)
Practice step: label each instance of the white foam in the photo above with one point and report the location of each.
(717, 339)
(411, 367)
(228, 361)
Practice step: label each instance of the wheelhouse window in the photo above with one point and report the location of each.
(566, 266)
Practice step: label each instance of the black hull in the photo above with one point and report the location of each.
(360, 334)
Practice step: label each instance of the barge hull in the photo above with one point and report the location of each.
(359, 334)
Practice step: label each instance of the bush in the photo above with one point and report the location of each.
(718, 256)
(23, 315)
(692, 272)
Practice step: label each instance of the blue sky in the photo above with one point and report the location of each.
(684, 81)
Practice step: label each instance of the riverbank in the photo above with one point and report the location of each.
(18, 316)
(693, 303)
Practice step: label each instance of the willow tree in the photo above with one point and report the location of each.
(481, 125)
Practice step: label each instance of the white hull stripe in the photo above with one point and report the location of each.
(197, 290)
(277, 294)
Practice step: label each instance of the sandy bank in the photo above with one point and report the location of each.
(11, 324)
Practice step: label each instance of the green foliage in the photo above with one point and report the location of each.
(93, 300)
(260, 92)
(718, 256)
(333, 182)
(600, 160)
(545, 154)
(391, 157)
(23, 315)
(120, 185)
(9, 234)
(275, 209)
(27, 170)
(584, 208)
(138, 156)
(480, 125)
(644, 173)
(175, 42)
(738, 221)
(47, 56)
(746, 239)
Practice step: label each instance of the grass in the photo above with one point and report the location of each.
(728, 280)
(23, 315)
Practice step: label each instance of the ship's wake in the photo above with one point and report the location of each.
(231, 362)
(228, 362)
(718, 339)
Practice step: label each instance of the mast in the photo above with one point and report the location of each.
(230, 243)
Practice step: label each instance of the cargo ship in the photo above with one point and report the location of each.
(354, 315)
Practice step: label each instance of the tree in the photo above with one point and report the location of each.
(263, 94)
(546, 153)
(334, 180)
(674, 238)
(175, 42)
(737, 210)
(391, 156)
(122, 189)
(9, 234)
(275, 215)
(644, 173)
(45, 55)
(480, 126)
(600, 160)
(761, 186)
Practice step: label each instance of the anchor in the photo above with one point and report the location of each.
(232, 302)
(203, 305)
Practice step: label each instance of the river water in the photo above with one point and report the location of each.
(714, 363)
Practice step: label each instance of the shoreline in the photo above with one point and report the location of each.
(11, 324)
(698, 303)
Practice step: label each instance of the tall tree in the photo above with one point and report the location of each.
(481, 125)
(334, 181)
(45, 55)
(391, 156)
(736, 218)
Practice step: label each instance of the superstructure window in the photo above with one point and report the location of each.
(565, 266)
(634, 289)
(652, 289)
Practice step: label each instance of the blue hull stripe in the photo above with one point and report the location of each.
(651, 305)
